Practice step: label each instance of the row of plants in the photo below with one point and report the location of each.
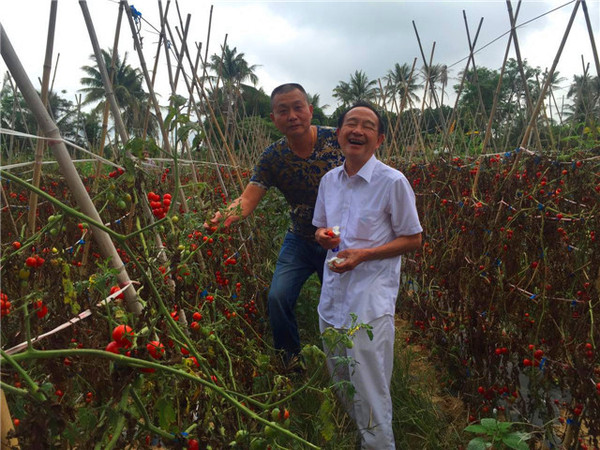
(194, 369)
(505, 289)
(504, 293)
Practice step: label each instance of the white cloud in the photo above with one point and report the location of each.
(314, 43)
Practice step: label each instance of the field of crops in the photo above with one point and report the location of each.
(504, 293)
(128, 320)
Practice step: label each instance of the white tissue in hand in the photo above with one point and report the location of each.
(335, 260)
(336, 230)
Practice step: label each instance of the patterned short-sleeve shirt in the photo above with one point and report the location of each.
(298, 178)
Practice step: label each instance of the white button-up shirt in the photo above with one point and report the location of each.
(372, 208)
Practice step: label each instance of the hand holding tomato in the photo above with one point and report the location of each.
(327, 238)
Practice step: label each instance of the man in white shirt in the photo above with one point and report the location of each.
(374, 207)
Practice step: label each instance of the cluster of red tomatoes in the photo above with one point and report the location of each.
(34, 261)
(5, 305)
(41, 310)
(123, 335)
(116, 173)
(159, 208)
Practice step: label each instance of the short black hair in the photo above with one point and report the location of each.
(284, 89)
(363, 104)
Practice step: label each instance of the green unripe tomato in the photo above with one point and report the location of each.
(270, 432)
(275, 414)
(24, 274)
(258, 444)
(241, 435)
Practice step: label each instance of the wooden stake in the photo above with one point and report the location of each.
(7, 424)
(41, 144)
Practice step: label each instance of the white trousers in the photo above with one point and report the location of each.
(371, 405)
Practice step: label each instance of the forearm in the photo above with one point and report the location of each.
(397, 247)
(355, 256)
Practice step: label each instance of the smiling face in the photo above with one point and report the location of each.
(359, 135)
(291, 113)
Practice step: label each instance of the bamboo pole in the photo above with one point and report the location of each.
(149, 84)
(488, 130)
(453, 114)
(106, 104)
(427, 69)
(17, 107)
(183, 42)
(100, 150)
(185, 144)
(591, 33)
(545, 114)
(6, 424)
(513, 31)
(108, 87)
(61, 154)
(9, 212)
(549, 78)
(110, 97)
(161, 39)
(198, 84)
(41, 144)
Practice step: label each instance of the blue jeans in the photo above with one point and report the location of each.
(298, 259)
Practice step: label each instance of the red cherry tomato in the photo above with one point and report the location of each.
(123, 335)
(156, 349)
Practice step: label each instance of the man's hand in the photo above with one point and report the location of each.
(352, 257)
(326, 238)
(219, 218)
(240, 208)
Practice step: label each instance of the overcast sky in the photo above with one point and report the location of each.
(317, 44)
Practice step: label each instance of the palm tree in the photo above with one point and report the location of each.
(514, 80)
(127, 87)
(319, 117)
(554, 85)
(434, 74)
(585, 91)
(232, 68)
(401, 83)
(358, 89)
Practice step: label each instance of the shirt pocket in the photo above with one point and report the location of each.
(366, 226)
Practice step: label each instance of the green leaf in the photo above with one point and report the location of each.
(516, 440)
(490, 424)
(478, 444)
(69, 290)
(476, 429)
(166, 413)
(87, 420)
(327, 425)
(504, 426)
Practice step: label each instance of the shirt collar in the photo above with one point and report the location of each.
(366, 171)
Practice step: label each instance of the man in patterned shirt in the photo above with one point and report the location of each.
(294, 164)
